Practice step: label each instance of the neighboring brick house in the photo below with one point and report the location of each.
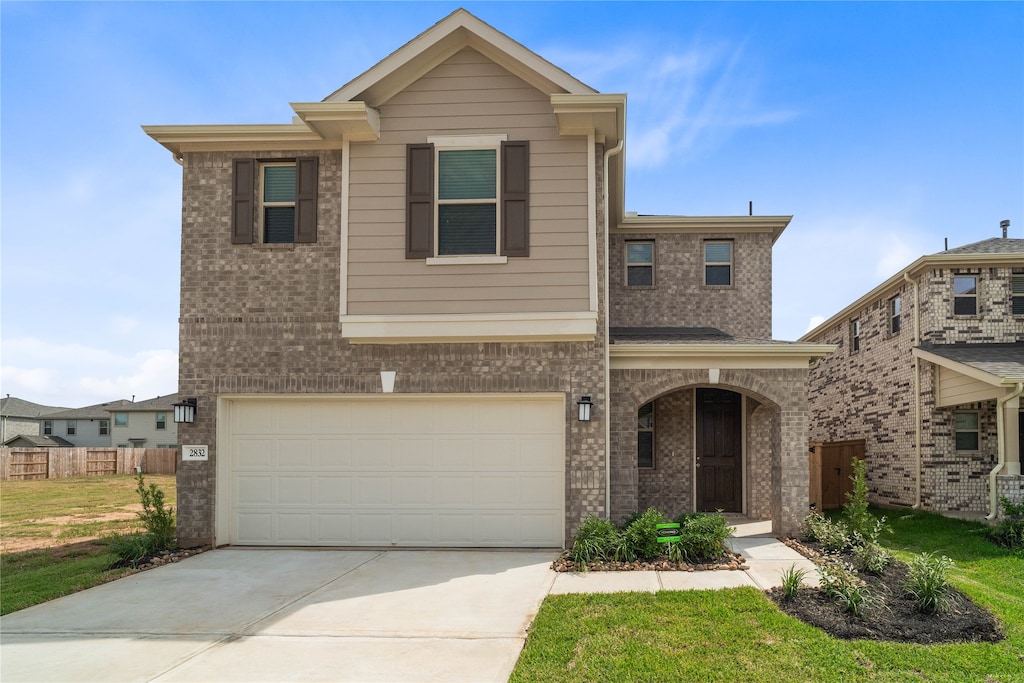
(20, 417)
(145, 424)
(395, 315)
(929, 371)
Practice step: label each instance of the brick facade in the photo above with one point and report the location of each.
(869, 393)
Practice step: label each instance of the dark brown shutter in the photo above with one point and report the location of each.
(515, 198)
(419, 204)
(306, 183)
(242, 188)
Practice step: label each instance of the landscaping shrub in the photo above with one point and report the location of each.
(792, 580)
(927, 582)
(156, 516)
(595, 540)
(1009, 531)
(132, 549)
(639, 540)
(702, 535)
(855, 511)
(840, 583)
(834, 536)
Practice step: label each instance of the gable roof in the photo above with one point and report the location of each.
(160, 403)
(39, 441)
(100, 411)
(11, 406)
(997, 251)
(458, 30)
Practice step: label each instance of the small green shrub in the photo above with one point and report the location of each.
(855, 511)
(156, 516)
(702, 535)
(639, 540)
(792, 580)
(871, 558)
(1009, 531)
(927, 582)
(840, 583)
(131, 549)
(834, 536)
(595, 540)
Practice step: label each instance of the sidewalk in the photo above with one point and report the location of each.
(767, 557)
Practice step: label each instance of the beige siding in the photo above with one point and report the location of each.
(468, 94)
(142, 425)
(956, 389)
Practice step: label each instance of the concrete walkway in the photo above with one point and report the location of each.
(252, 615)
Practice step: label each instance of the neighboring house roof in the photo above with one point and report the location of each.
(160, 403)
(37, 441)
(1004, 363)
(991, 252)
(12, 406)
(100, 411)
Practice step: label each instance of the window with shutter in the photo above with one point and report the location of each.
(275, 199)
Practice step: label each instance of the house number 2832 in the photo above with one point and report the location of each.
(195, 453)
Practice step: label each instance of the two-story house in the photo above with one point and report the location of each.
(929, 372)
(418, 315)
(88, 426)
(145, 424)
(19, 417)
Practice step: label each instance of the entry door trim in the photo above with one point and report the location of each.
(743, 448)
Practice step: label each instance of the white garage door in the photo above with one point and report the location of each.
(403, 471)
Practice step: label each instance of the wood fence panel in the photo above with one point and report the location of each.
(57, 463)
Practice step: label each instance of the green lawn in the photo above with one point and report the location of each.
(739, 635)
(53, 515)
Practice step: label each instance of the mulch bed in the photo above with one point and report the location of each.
(730, 561)
(894, 618)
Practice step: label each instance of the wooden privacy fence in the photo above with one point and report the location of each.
(18, 464)
(831, 465)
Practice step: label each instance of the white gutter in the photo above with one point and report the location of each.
(917, 389)
(1001, 459)
(608, 154)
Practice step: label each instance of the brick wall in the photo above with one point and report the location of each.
(679, 298)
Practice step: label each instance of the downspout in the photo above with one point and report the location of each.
(1001, 448)
(917, 390)
(608, 154)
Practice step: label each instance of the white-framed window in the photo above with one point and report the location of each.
(895, 309)
(104, 427)
(855, 336)
(966, 430)
(467, 176)
(645, 436)
(47, 427)
(965, 295)
(72, 427)
(161, 420)
(120, 419)
(277, 201)
(718, 264)
(1017, 295)
(640, 264)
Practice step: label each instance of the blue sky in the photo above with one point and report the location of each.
(883, 128)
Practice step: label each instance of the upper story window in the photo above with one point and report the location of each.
(1017, 295)
(855, 335)
(104, 427)
(276, 199)
(718, 263)
(161, 420)
(120, 419)
(72, 427)
(645, 436)
(639, 264)
(966, 430)
(965, 295)
(467, 197)
(895, 309)
(47, 427)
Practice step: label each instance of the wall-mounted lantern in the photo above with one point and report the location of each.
(585, 404)
(185, 411)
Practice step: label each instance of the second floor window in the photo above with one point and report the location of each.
(1017, 294)
(47, 427)
(895, 308)
(718, 263)
(120, 419)
(277, 203)
(639, 264)
(161, 420)
(965, 295)
(467, 202)
(104, 427)
(855, 335)
(72, 427)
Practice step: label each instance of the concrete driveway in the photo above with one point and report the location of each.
(289, 615)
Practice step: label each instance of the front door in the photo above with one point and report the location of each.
(719, 450)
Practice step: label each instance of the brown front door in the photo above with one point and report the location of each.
(719, 450)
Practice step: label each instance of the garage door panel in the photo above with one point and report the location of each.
(407, 471)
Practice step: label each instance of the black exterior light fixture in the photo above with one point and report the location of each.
(185, 411)
(585, 404)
